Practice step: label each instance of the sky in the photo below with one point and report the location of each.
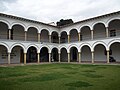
(53, 10)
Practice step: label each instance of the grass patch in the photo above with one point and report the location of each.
(60, 77)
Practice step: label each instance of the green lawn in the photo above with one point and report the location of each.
(60, 77)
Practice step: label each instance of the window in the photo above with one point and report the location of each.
(112, 33)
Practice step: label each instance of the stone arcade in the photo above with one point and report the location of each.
(93, 40)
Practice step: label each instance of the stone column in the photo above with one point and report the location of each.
(91, 34)
(59, 57)
(8, 58)
(49, 38)
(38, 37)
(24, 58)
(92, 56)
(9, 34)
(49, 57)
(79, 57)
(59, 39)
(38, 55)
(68, 57)
(107, 34)
(25, 35)
(79, 37)
(68, 38)
(108, 56)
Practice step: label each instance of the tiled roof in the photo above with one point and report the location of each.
(24, 19)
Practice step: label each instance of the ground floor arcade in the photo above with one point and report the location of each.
(99, 54)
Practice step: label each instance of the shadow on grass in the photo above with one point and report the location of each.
(91, 75)
(89, 71)
(79, 84)
(43, 77)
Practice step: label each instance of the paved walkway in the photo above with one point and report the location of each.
(97, 63)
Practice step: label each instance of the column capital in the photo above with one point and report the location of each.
(107, 50)
(59, 53)
(9, 29)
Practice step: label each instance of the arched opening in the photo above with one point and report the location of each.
(54, 55)
(17, 55)
(63, 38)
(114, 28)
(99, 31)
(17, 32)
(115, 51)
(44, 55)
(31, 55)
(63, 55)
(73, 54)
(73, 35)
(85, 33)
(54, 37)
(3, 55)
(4, 32)
(44, 36)
(32, 34)
(86, 54)
(99, 52)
